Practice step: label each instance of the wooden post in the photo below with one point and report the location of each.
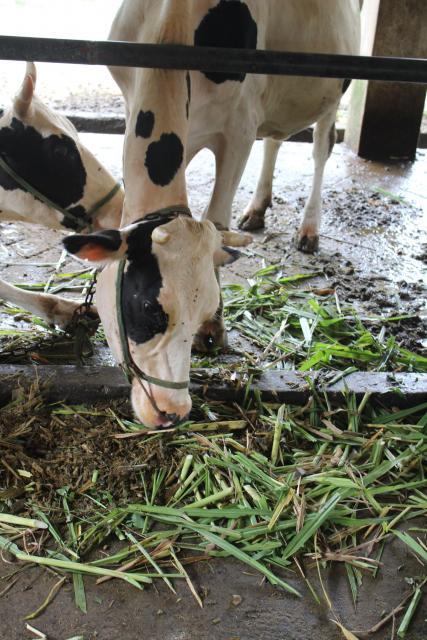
(385, 118)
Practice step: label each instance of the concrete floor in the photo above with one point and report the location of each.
(117, 611)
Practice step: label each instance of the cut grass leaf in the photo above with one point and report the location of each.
(30, 523)
(412, 544)
(243, 557)
(314, 522)
(348, 635)
(51, 595)
(409, 614)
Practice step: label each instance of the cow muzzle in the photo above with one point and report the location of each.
(168, 409)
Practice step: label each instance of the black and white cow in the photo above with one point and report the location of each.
(48, 177)
(169, 282)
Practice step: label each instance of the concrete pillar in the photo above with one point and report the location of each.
(385, 117)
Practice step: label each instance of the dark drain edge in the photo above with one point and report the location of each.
(89, 384)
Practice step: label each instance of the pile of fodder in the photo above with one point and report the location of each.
(263, 483)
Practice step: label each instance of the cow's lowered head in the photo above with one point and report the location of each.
(168, 290)
(44, 150)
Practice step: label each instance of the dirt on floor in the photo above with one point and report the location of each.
(261, 612)
(373, 239)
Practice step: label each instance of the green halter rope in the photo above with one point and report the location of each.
(77, 222)
(129, 366)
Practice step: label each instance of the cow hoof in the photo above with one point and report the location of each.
(211, 337)
(308, 244)
(251, 221)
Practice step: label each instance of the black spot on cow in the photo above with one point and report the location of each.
(188, 81)
(78, 212)
(163, 158)
(143, 315)
(345, 85)
(228, 25)
(144, 124)
(52, 165)
(109, 239)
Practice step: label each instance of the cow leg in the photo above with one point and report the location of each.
(324, 140)
(253, 215)
(231, 155)
(56, 311)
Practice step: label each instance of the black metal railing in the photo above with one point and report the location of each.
(209, 59)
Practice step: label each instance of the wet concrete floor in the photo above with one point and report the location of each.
(117, 611)
(392, 247)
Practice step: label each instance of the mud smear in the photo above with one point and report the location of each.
(371, 252)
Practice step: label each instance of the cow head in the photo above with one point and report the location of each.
(43, 149)
(169, 289)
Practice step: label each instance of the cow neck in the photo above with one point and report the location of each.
(79, 224)
(128, 365)
(156, 141)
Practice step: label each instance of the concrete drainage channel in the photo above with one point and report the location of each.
(88, 384)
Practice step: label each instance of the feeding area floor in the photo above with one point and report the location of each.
(336, 492)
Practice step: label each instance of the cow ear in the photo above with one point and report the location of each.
(24, 96)
(226, 255)
(101, 246)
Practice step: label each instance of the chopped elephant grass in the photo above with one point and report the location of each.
(325, 483)
(309, 330)
(288, 326)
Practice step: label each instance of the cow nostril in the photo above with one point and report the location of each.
(168, 419)
(209, 341)
(172, 419)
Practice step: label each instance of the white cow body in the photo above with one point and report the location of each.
(171, 115)
(227, 117)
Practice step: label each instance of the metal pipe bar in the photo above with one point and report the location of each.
(210, 59)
